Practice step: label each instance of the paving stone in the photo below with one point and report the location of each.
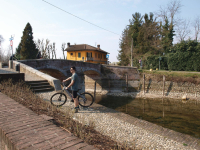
(29, 131)
(71, 143)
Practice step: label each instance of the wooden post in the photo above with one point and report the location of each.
(196, 97)
(144, 106)
(163, 110)
(144, 83)
(127, 82)
(163, 85)
(94, 90)
(109, 84)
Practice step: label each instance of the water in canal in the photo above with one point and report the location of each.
(177, 115)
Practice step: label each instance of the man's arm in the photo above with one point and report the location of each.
(72, 82)
(67, 79)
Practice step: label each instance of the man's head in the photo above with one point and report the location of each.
(72, 69)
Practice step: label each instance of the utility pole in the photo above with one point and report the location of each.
(132, 52)
(11, 44)
(0, 51)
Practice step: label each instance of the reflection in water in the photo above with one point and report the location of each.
(180, 116)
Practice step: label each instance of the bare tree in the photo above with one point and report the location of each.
(183, 30)
(197, 27)
(43, 47)
(1, 38)
(5, 54)
(162, 13)
(54, 50)
(46, 48)
(172, 9)
(39, 44)
(46, 52)
(63, 48)
(1, 53)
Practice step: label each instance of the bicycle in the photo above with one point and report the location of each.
(58, 99)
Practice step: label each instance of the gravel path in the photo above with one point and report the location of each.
(129, 130)
(124, 128)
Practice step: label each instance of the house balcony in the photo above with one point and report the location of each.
(89, 58)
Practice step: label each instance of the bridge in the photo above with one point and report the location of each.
(107, 78)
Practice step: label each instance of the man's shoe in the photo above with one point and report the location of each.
(75, 110)
(71, 100)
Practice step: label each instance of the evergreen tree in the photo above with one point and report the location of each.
(134, 27)
(28, 47)
(148, 37)
(167, 36)
(125, 48)
(18, 50)
(123, 60)
(171, 34)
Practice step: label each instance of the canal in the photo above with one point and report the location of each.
(178, 115)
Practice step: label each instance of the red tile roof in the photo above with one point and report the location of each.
(81, 47)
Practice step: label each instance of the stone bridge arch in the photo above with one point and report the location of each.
(90, 77)
(54, 73)
(108, 78)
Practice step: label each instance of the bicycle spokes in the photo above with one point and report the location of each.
(58, 99)
(85, 99)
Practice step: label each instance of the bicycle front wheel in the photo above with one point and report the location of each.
(85, 99)
(58, 99)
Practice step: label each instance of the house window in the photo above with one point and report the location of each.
(79, 55)
(98, 55)
(89, 54)
(95, 55)
(71, 53)
(101, 56)
(104, 56)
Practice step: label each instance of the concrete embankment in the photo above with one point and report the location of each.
(172, 89)
(130, 130)
(153, 88)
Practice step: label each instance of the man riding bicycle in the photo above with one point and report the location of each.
(74, 86)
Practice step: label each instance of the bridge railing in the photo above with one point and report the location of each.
(34, 72)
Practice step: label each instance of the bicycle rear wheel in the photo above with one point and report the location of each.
(85, 99)
(58, 99)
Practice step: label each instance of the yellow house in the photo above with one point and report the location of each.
(86, 53)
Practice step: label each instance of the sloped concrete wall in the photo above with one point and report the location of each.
(29, 70)
(107, 78)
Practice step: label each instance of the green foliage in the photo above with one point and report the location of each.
(152, 37)
(134, 27)
(123, 60)
(167, 36)
(136, 63)
(28, 47)
(152, 62)
(18, 50)
(196, 61)
(186, 56)
(146, 35)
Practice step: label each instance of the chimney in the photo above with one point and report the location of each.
(68, 44)
(98, 46)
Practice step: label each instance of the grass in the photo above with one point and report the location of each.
(172, 73)
(190, 77)
(184, 144)
(26, 97)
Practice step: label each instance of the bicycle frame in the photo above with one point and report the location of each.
(68, 92)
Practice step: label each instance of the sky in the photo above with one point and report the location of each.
(60, 27)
